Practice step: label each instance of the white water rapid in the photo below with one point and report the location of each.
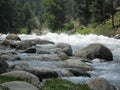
(108, 70)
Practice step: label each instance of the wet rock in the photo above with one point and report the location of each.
(78, 72)
(38, 41)
(66, 48)
(63, 56)
(100, 84)
(4, 44)
(44, 72)
(23, 45)
(13, 37)
(49, 57)
(43, 52)
(30, 50)
(10, 57)
(117, 36)
(71, 63)
(20, 66)
(3, 66)
(23, 75)
(95, 50)
(19, 85)
(41, 72)
(64, 73)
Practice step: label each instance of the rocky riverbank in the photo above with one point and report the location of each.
(56, 61)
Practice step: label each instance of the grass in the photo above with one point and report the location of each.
(59, 84)
(3, 88)
(4, 79)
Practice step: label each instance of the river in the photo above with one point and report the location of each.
(108, 70)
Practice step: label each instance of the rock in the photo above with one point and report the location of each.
(30, 50)
(23, 45)
(100, 84)
(23, 75)
(44, 73)
(117, 36)
(66, 48)
(38, 41)
(29, 43)
(13, 37)
(3, 66)
(64, 73)
(49, 57)
(78, 72)
(10, 57)
(63, 56)
(19, 85)
(95, 50)
(20, 66)
(4, 44)
(43, 52)
(71, 63)
(41, 72)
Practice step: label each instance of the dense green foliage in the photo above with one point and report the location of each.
(25, 16)
(59, 84)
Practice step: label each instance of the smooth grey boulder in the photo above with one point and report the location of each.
(95, 50)
(19, 85)
(28, 77)
(66, 48)
(72, 63)
(100, 84)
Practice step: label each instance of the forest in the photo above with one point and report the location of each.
(26, 16)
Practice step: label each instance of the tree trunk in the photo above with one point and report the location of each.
(112, 14)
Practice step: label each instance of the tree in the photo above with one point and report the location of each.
(82, 10)
(54, 14)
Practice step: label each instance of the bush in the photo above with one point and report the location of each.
(104, 29)
(59, 84)
(23, 30)
(69, 26)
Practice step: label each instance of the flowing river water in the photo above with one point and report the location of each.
(108, 70)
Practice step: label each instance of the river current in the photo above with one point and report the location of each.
(108, 70)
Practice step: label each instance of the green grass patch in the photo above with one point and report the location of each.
(4, 79)
(59, 84)
(3, 88)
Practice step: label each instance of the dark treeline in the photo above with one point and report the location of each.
(17, 15)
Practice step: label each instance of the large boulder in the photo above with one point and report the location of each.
(23, 75)
(41, 72)
(19, 85)
(33, 42)
(72, 63)
(100, 84)
(3, 66)
(95, 50)
(44, 73)
(13, 37)
(66, 48)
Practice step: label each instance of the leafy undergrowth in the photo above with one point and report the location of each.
(59, 84)
(4, 79)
